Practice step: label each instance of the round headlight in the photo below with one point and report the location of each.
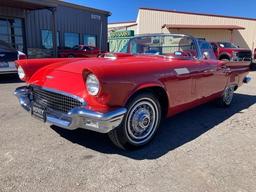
(21, 73)
(92, 84)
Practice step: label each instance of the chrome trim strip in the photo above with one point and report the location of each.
(79, 117)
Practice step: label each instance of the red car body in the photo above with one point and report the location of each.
(231, 52)
(80, 51)
(179, 81)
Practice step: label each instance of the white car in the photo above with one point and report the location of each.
(8, 56)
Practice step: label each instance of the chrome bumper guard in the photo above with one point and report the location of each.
(79, 117)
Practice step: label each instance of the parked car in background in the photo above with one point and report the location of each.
(128, 94)
(80, 51)
(7, 57)
(230, 52)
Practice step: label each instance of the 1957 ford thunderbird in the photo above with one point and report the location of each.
(127, 94)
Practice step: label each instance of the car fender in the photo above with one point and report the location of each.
(145, 85)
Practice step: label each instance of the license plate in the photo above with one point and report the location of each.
(38, 112)
(4, 64)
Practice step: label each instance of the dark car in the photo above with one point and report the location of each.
(230, 52)
(80, 51)
(7, 57)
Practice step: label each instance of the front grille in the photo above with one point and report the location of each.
(55, 101)
(244, 55)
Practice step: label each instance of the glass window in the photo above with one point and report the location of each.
(169, 45)
(5, 38)
(11, 31)
(18, 40)
(4, 26)
(4, 22)
(6, 47)
(18, 31)
(4, 30)
(17, 23)
(90, 40)
(206, 47)
(71, 40)
(47, 39)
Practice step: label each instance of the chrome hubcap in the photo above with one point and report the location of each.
(142, 120)
(228, 95)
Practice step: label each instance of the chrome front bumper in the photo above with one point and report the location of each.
(79, 117)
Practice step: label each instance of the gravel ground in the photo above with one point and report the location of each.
(206, 149)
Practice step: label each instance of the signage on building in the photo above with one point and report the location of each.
(116, 34)
(95, 17)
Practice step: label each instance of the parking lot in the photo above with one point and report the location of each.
(205, 149)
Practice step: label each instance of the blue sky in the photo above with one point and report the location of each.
(123, 10)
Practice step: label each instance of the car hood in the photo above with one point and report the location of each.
(99, 65)
(68, 76)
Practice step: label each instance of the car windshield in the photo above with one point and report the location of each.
(169, 45)
(227, 45)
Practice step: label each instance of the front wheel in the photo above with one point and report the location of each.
(140, 123)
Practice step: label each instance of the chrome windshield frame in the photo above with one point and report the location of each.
(199, 54)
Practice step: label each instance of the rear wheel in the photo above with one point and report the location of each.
(139, 124)
(224, 58)
(226, 99)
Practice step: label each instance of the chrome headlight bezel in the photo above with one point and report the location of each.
(21, 73)
(92, 84)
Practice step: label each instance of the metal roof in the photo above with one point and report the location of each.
(43, 4)
(227, 27)
(202, 14)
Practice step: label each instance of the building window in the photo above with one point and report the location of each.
(90, 40)
(71, 39)
(11, 31)
(47, 39)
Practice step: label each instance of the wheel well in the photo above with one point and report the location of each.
(224, 57)
(160, 94)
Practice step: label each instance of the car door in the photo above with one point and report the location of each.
(211, 76)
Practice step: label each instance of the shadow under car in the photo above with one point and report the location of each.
(174, 132)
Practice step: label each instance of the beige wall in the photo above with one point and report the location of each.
(151, 21)
(214, 35)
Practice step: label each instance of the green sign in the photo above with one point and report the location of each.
(128, 33)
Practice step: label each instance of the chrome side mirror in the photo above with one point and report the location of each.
(206, 55)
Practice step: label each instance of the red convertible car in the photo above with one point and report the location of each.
(127, 94)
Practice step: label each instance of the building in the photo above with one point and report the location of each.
(39, 28)
(239, 30)
(121, 26)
